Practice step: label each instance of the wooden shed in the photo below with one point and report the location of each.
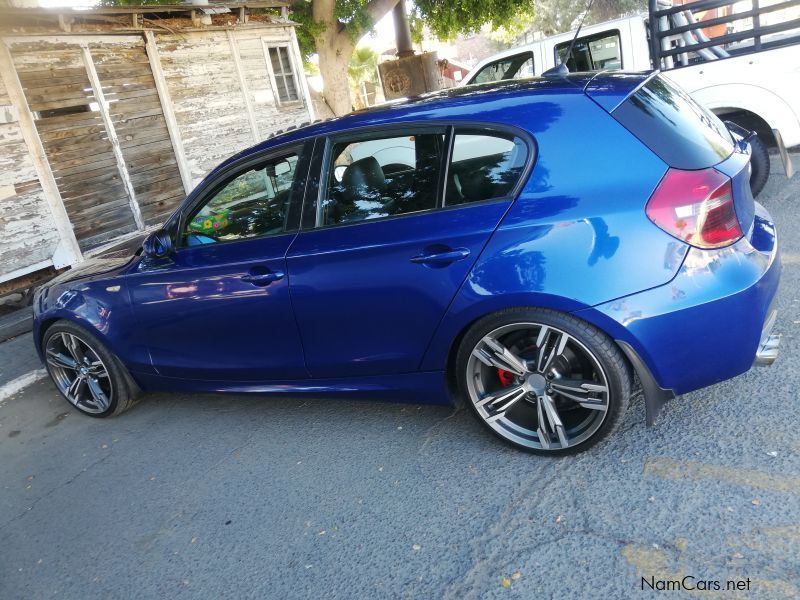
(110, 116)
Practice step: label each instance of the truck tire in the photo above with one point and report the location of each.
(759, 162)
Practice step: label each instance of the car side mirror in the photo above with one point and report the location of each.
(158, 244)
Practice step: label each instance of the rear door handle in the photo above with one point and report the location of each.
(440, 258)
(262, 279)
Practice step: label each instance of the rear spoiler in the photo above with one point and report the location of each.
(609, 89)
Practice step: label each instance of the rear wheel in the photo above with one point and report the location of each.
(543, 381)
(759, 164)
(85, 372)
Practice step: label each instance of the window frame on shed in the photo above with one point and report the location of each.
(293, 73)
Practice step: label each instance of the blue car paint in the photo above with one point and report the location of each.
(576, 239)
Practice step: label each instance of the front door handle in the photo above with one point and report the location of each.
(440, 257)
(261, 277)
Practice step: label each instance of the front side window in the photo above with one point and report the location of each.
(484, 166)
(254, 203)
(513, 67)
(592, 52)
(382, 177)
(282, 73)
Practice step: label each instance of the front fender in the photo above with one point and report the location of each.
(91, 304)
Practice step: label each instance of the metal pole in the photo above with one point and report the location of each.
(402, 31)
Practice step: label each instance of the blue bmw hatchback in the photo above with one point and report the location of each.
(537, 250)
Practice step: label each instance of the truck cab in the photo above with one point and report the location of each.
(741, 61)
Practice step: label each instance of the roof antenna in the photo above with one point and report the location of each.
(560, 70)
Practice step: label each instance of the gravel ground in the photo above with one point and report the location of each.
(218, 496)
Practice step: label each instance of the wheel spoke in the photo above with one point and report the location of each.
(551, 344)
(75, 388)
(96, 369)
(73, 347)
(498, 396)
(499, 403)
(494, 354)
(541, 427)
(62, 361)
(579, 390)
(98, 395)
(554, 419)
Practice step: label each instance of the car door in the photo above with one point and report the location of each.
(393, 231)
(218, 308)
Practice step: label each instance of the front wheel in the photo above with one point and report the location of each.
(543, 381)
(85, 372)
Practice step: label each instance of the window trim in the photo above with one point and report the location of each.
(273, 80)
(313, 198)
(303, 149)
(592, 37)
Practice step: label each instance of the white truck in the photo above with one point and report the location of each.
(738, 58)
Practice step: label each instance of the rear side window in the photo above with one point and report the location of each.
(592, 52)
(518, 66)
(680, 131)
(484, 166)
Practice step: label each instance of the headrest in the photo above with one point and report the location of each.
(364, 178)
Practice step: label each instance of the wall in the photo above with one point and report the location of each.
(27, 233)
(124, 131)
(221, 109)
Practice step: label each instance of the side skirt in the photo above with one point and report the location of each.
(411, 388)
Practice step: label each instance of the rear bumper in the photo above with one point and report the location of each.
(713, 321)
(768, 345)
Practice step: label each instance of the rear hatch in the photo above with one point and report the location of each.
(695, 144)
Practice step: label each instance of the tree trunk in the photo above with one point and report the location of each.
(334, 47)
(335, 52)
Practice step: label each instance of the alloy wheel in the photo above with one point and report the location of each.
(79, 372)
(537, 386)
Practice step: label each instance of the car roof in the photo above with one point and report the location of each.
(451, 104)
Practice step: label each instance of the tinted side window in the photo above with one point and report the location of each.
(484, 166)
(382, 177)
(592, 52)
(680, 131)
(253, 203)
(513, 67)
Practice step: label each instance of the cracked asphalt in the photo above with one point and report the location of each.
(244, 497)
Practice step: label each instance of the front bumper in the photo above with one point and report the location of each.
(713, 321)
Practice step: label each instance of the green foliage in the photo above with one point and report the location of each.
(363, 66)
(558, 16)
(446, 19)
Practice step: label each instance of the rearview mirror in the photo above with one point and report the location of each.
(158, 244)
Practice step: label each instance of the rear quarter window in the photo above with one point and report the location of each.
(682, 133)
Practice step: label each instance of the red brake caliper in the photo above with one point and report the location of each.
(506, 378)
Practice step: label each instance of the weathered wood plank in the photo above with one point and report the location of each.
(144, 138)
(106, 161)
(67, 121)
(71, 103)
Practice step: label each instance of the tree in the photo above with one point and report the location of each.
(332, 29)
(558, 16)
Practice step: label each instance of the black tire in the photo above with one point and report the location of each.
(759, 164)
(121, 390)
(613, 367)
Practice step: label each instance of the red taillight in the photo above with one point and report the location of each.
(696, 207)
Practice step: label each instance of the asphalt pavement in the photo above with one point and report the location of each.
(190, 496)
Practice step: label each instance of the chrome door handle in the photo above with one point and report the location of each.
(440, 258)
(262, 279)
